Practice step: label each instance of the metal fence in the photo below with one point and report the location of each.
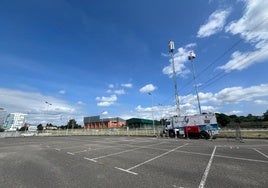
(230, 133)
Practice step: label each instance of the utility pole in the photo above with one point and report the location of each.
(191, 57)
(171, 51)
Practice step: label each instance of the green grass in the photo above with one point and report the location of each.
(262, 134)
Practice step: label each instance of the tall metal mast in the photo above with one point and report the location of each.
(171, 51)
(191, 57)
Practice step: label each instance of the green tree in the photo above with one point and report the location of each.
(265, 116)
(40, 127)
(72, 124)
(223, 119)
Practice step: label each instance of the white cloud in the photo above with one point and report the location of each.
(240, 61)
(109, 91)
(62, 92)
(80, 103)
(104, 113)
(180, 58)
(34, 105)
(156, 112)
(215, 23)
(232, 95)
(253, 28)
(128, 85)
(253, 25)
(191, 45)
(148, 88)
(106, 101)
(120, 92)
(238, 94)
(234, 112)
(111, 86)
(261, 102)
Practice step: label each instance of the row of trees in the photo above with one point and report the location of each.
(72, 124)
(245, 121)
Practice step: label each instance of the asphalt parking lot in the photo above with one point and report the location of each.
(88, 161)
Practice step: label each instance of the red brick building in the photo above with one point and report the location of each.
(95, 122)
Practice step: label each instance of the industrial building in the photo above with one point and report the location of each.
(140, 123)
(95, 122)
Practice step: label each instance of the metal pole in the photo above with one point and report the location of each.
(191, 57)
(152, 110)
(171, 50)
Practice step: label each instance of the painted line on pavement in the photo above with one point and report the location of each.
(128, 171)
(260, 152)
(205, 175)
(125, 151)
(138, 165)
(90, 159)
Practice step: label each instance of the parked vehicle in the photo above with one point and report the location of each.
(192, 126)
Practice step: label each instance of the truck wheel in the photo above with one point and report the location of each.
(171, 134)
(204, 135)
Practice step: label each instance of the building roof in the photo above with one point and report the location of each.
(139, 121)
(92, 119)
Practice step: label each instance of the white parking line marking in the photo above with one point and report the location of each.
(136, 166)
(205, 175)
(90, 159)
(157, 157)
(128, 171)
(243, 159)
(70, 153)
(260, 152)
(125, 151)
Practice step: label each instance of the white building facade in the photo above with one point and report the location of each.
(2, 117)
(14, 121)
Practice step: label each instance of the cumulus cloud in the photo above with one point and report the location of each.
(148, 88)
(106, 101)
(210, 102)
(253, 29)
(238, 94)
(214, 24)
(232, 95)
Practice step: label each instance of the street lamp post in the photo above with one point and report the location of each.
(191, 57)
(48, 104)
(152, 110)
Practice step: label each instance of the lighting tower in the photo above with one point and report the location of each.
(191, 57)
(171, 51)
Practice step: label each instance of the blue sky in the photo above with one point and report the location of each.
(88, 57)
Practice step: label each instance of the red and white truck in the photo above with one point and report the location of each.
(192, 126)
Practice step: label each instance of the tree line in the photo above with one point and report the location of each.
(249, 121)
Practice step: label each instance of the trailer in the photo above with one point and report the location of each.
(192, 126)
